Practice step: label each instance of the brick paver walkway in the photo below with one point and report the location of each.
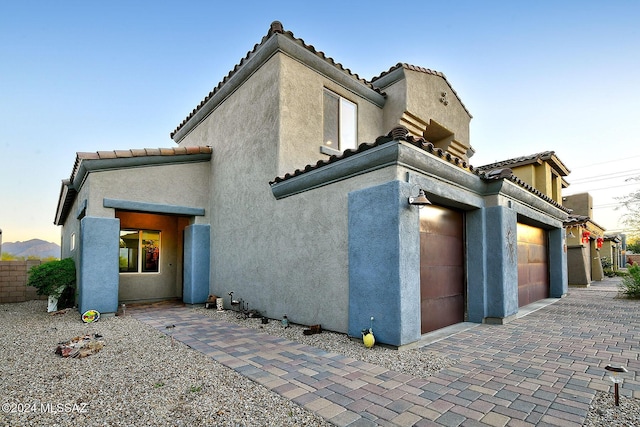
(541, 369)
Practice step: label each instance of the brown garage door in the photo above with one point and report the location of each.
(442, 275)
(533, 265)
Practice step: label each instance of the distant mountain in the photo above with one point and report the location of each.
(34, 247)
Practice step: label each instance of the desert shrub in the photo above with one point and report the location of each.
(55, 278)
(630, 285)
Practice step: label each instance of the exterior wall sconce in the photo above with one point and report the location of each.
(571, 235)
(420, 200)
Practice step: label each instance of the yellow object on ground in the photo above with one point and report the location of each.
(368, 340)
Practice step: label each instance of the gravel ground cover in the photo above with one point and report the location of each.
(140, 378)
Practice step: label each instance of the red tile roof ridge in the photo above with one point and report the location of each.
(275, 28)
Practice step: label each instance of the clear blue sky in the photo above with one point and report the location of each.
(87, 75)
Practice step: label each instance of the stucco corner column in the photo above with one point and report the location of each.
(98, 272)
(501, 264)
(197, 259)
(384, 264)
(558, 274)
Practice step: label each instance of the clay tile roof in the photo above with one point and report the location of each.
(574, 220)
(275, 28)
(140, 152)
(397, 133)
(402, 133)
(421, 70)
(549, 156)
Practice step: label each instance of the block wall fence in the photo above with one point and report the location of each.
(13, 281)
(635, 258)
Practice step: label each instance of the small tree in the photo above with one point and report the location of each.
(56, 279)
(631, 203)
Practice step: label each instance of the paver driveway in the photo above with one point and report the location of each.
(543, 368)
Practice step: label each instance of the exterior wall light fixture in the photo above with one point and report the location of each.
(420, 200)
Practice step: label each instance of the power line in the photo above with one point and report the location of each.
(613, 186)
(608, 161)
(614, 175)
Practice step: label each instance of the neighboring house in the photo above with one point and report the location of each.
(585, 240)
(611, 252)
(283, 190)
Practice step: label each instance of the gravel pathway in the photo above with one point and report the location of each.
(141, 378)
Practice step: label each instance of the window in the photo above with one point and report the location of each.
(72, 242)
(340, 123)
(136, 242)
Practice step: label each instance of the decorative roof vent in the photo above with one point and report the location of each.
(399, 132)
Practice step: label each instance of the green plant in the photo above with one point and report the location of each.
(158, 384)
(195, 389)
(630, 285)
(55, 278)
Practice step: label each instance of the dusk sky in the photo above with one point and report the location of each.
(536, 76)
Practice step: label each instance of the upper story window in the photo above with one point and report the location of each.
(340, 123)
(136, 242)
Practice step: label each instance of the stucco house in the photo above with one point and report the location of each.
(585, 242)
(309, 191)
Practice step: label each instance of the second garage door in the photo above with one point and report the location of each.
(533, 264)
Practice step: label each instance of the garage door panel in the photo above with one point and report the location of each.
(537, 254)
(441, 281)
(437, 313)
(533, 265)
(440, 250)
(441, 221)
(442, 276)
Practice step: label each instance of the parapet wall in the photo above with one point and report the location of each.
(13, 281)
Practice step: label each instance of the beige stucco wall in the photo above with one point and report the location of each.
(171, 184)
(280, 256)
(581, 204)
(301, 102)
(168, 184)
(418, 95)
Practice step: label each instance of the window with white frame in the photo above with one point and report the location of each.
(72, 242)
(139, 251)
(340, 122)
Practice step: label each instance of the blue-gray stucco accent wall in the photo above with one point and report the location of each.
(98, 271)
(502, 263)
(197, 255)
(384, 263)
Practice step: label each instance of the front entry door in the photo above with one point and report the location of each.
(442, 275)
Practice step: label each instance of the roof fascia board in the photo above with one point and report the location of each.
(152, 207)
(277, 43)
